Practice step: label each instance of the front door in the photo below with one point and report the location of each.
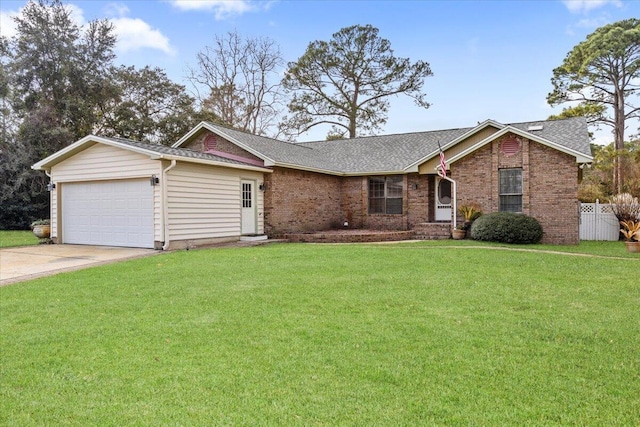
(443, 200)
(248, 207)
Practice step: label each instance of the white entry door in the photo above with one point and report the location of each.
(443, 200)
(109, 213)
(248, 207)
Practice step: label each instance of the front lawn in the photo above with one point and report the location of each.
(404, 334)
(17, 238)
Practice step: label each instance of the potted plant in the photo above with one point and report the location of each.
(470, 212)
(41, 228)
(631, 231)
(459, 232)
(626, 208)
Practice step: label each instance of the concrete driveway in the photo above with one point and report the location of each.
(30, 262)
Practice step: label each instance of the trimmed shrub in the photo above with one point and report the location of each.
(506, 227)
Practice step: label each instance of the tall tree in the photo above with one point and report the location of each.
(598, 183)
(346, 83)
(147, 106)
(237, 80)
(591, 112)
(604, 70)
(56, 73)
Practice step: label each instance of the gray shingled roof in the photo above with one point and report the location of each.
(392, 153)
(571, 133)
(276, 150)
(178, 152)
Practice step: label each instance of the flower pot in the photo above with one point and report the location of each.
(633, 247)
(42, 231)
(458, 234)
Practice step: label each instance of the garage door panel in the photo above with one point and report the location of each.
(113, 213)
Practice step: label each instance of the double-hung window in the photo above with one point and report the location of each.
(385, 194)
(510, 190)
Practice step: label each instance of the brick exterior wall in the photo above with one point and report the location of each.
(554, 194)
(473, 179)
(353, 201)
(298, 201)
(419, 199)
(550, 185)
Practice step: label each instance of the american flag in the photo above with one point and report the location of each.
(443, 162)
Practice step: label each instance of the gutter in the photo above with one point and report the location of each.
(165, 206)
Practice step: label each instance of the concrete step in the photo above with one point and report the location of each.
(432, 231)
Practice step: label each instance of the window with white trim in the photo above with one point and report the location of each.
(510, 190)
(385, 194)
(247, 197)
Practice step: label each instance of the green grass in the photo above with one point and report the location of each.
(409, 334)
(17, 238)
(596, 248)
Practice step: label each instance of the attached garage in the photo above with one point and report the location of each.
(115, 192)
(110, 213)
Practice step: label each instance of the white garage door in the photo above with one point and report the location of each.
(110, 213)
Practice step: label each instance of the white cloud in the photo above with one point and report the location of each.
(134, 34)
(222, 8)
(588, 24)
(584, 6)
(77, 14)
(592, 24)
(116, 10)
(7, 25)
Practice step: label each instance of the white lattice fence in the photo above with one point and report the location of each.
(597, 222)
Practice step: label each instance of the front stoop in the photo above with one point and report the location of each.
(255, 238)
(432, 231)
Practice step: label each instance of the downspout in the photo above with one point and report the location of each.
(454, 197)
(51, 196)
(165, 206)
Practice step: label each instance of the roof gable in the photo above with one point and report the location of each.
(153, 151)
(580, 157)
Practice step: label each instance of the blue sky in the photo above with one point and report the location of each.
(490, 59)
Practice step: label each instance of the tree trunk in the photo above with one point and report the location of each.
(354, 111)
(618, 177)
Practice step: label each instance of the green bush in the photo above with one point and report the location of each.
(506, 227)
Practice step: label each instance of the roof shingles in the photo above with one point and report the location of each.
(390, 153)
(177, 152)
